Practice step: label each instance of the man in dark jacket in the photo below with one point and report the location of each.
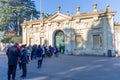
(12, 53)
(38, 53)
(24, 60)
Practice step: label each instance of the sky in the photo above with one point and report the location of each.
(50, 6)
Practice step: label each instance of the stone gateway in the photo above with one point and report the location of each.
(90, 33)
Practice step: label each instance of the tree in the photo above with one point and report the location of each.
(13, 13)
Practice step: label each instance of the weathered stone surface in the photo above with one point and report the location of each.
(97, 31)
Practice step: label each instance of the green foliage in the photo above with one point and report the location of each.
(5, 39)
(47, 15)
(13, 13)
(16, 39)
(12, 39)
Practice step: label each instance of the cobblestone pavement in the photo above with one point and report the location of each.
(67, 67)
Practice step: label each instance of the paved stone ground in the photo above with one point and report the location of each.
(67, 67)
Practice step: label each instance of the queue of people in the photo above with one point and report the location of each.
(24, 54)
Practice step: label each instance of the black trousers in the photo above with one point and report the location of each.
(12, 71)
(19, 63)
(24, 69)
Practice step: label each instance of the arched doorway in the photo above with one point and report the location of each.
(59, 41)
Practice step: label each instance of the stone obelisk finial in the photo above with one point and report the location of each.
(78, 9)
(59, 7)
(67, 13)
(95, 7)
(31, 16)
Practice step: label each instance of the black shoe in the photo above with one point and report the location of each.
(13, 79)
(39, 66)
(23, 76)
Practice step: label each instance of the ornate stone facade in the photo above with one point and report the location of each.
(117, 38)
(90, 33)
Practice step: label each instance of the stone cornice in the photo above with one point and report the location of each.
(117, 23)
(88, 15)
(35, 21)
(57, 14)
(117, 26)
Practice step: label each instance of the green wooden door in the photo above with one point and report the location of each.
(59, 41)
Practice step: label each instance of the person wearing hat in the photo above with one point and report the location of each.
(23, 60)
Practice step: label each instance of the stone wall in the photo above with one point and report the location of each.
(90, 33)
